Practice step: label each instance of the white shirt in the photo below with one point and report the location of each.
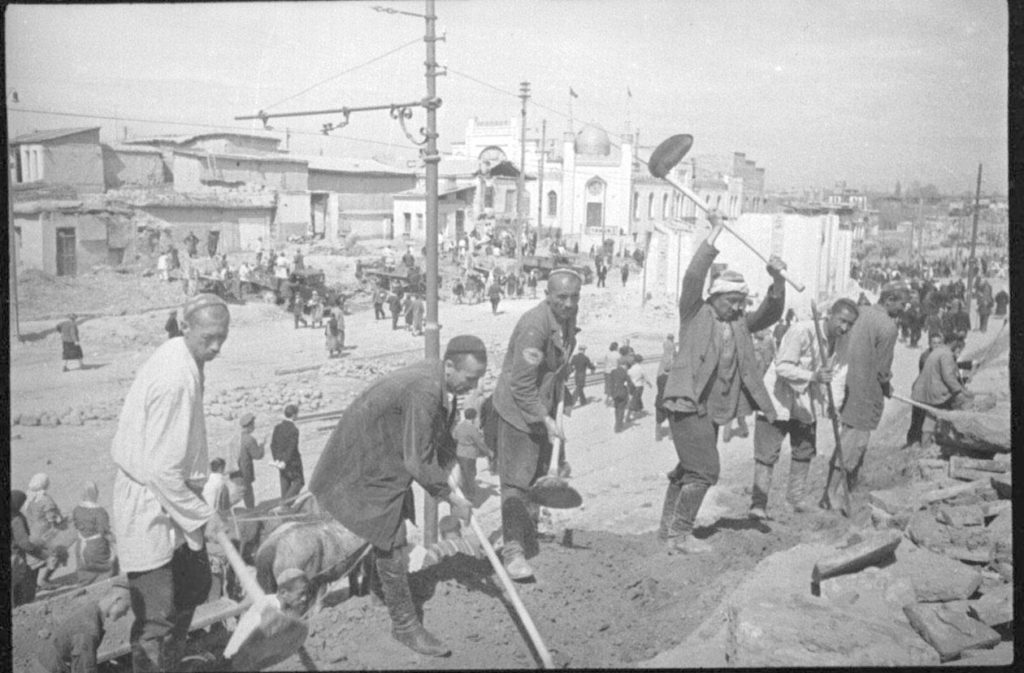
(214, 490)
(636, 375)
(790, 382)
(160, 448)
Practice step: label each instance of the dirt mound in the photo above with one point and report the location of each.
(606, 601)
(42, 296)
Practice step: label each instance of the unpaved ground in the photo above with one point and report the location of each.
(610, 600)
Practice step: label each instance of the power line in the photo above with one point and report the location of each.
(190, 124)
(345, 72)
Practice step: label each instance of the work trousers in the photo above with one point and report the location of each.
(660, 414)
(248, 496)
(768, 439)
(523, 457)
(695, 437)
(494, 305)
(581, 395)
(163, 602)
(378, 311)
(983, 321)
(854, 445)
(468, 468)
(620, 412)
(291, 484)
(917, 418)
(394, 320)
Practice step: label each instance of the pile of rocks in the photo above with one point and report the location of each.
(67, 415)
(230, 404)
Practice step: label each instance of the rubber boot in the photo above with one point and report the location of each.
(668, 510)
(405, 623)
(759, 496)
(681, 538)
(796, 489)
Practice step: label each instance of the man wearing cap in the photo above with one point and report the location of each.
(72, 646)
(249, 450)
(795, 380)
(71, 349)
(578, 365)
(398, 430)
(160, 451)
(284, 448)
(526, 398)
(715, 365)
(867, 356)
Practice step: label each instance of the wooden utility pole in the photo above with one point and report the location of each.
(521, 215)
(540, 173)
(431, 158)
(974, 242)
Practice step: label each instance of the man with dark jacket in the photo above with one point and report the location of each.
(526, 398)
(249, 450)
(395, 432)
(578, 365)
(621, 389)
(867, 358)
(715, 365)
(284, 448)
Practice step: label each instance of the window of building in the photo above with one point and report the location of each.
(488, 196)
(664, 206)
(510, 201)
(650, 206)
(419, 222)
(636, 205)
(552, 204)
(595, 194)
(407, 228)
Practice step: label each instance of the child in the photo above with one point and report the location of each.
(620, 389)
(216, 495)
(75, 641)
(470, 446)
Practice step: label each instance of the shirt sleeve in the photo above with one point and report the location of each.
(254, 448)
(885, 344)
(693, 280)
(529, 353)
(788, 359)
(948, 372)
(770, 310)
(166, 446)
(419, 454)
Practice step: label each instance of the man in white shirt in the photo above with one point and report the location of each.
(794, 381)
(159, 515)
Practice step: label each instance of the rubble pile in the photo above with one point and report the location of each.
(78, 415)
(102, 292)
(266, 400)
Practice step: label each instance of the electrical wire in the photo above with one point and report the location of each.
(345, 72)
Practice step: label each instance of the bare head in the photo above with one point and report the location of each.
(894, 299)
(465, 362)
(563, 293)
(841, 317)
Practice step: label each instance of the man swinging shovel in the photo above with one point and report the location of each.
(836, 465)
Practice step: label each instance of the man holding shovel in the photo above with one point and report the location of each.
(526, 399)
(715, 365)
(395, 432)
(159, 515)
(868, 356)
(794, 383)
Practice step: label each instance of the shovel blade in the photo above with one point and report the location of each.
(669, 153)
(265, 636)
(555, 492)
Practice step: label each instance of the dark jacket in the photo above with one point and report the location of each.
(72, 648)
(619, 385)
(534, 369)
(396, 431)
(697, 359)
(869, 351)
(579, 364)
(284, 446)
(248, 451)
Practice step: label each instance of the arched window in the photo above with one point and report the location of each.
(650, 206)
(552, 204)
(664, 206)
(594, 197)
(636, 205)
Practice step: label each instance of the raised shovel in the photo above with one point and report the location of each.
(665, 157)
(265, 634)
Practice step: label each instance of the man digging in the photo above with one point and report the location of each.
(714, 366)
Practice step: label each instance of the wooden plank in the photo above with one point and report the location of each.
(205, 615)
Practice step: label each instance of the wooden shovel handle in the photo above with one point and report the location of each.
(244, 573)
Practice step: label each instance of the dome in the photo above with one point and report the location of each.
(593, 141)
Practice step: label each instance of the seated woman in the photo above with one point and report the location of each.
(45, 518)
(28, 554)
(95, 556)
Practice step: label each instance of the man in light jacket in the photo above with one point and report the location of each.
(794, 381)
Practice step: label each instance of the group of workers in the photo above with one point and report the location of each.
(400, 429)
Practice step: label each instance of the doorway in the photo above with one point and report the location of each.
(66, 262)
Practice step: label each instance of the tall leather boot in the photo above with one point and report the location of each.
(405, 624)
(681, 538)
(796, 489)
(759, 495)
(668, 510)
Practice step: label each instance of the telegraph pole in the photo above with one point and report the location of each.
(974, 242)
(540, 173)
(524, 95)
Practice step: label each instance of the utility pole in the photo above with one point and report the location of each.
(540, 173)
(401, 112)
(974, 242)
(521, 215)
(12, 252)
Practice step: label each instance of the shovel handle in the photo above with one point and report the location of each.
(510, 588)
(688, 193)
(245, 577)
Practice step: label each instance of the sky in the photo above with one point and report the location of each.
(870, 92)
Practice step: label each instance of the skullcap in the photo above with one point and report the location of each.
(466, 343)
(565, 271)
(201, 301)
(729, 281)
(289, 574)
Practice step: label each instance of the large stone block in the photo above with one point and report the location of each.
(873, 591)
(1000, 531)
(948, 630)
(806, 632)
(972, 544)
(877, 548)
(963, 515)
(995, 607)
(1003, 484)
(935, 577)
(901, 500)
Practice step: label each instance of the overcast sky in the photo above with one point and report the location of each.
(867, 91)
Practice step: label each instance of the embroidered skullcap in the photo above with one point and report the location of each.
(729, 281)
(565, 271)
(286, 576)
(466, 344)
(201, 301)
